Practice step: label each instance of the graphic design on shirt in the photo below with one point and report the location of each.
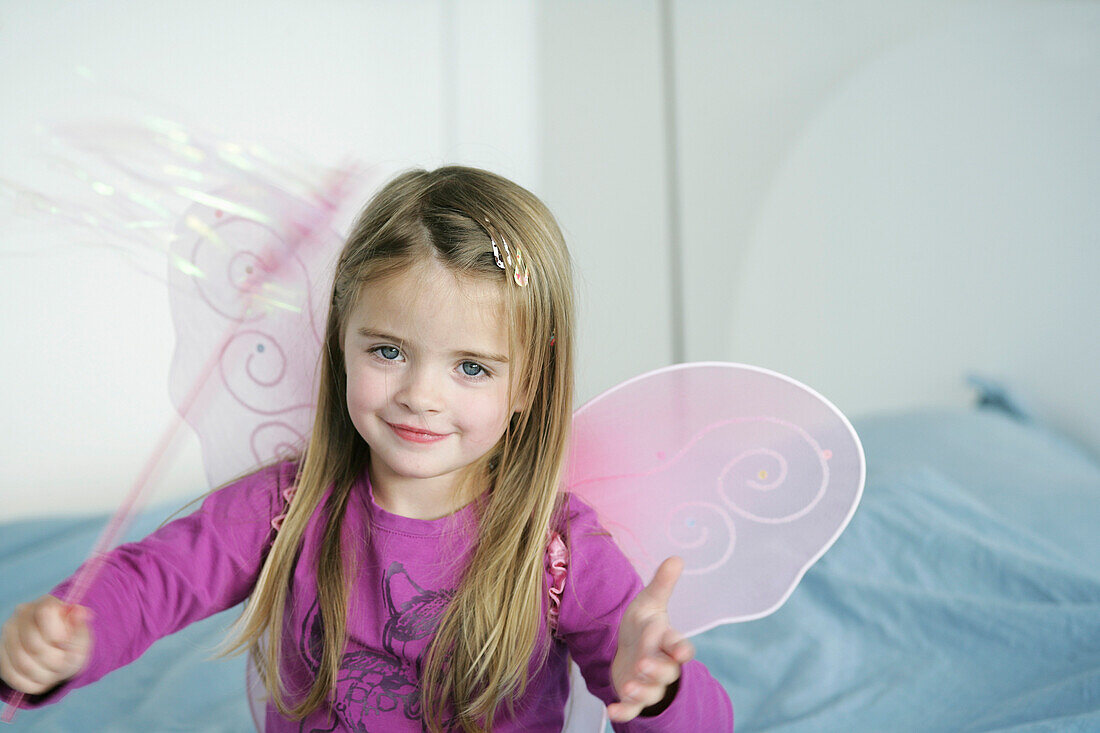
(375, 682)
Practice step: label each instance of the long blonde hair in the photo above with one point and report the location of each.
(479, 657)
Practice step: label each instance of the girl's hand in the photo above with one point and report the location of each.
(650, 651)
(43, 643)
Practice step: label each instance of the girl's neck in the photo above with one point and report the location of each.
(422, 498)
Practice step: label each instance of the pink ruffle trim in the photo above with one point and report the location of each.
(558, 555)
(288, 494)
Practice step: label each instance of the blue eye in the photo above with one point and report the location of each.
(472, 369)
(388, 352)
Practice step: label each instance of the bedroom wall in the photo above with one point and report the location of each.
(934, 214)
(875, 198)
(604, 176)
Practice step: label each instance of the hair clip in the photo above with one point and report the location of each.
(496, 253)
(515, 261)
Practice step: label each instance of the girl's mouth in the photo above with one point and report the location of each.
(415, 435)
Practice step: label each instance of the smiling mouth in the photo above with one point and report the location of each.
(415, 435)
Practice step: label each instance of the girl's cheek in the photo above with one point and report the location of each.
(485, 421)
(366, 390)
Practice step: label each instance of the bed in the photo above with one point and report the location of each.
(964, 595)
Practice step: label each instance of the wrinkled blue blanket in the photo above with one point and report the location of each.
(964, 595)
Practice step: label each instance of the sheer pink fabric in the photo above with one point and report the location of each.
(746, 474)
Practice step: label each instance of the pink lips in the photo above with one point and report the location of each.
(415, 435)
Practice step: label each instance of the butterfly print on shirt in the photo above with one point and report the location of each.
(374, 682)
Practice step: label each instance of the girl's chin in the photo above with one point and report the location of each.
(399, 470)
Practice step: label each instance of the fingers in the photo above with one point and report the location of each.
(43, 643)
(51, 621)
(648, 687)
(659, 590)
(652, 673)
(676, 647)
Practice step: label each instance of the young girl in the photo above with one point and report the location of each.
(418, 567)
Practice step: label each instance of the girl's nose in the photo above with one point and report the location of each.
(420, 392)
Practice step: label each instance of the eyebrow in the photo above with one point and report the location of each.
(370, 333)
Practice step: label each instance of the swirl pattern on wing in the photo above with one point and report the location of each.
(225, 256)
(775, 485)
(746, 474)
(704, 535)
(254, 369)
(260, 403)
(278, 439)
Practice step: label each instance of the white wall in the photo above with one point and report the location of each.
(876, 197)
(936, 215)
(603, 164)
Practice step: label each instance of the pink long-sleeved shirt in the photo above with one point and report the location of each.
(405, 575)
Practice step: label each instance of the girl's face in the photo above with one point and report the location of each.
(427, 364)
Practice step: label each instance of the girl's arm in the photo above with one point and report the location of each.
(187, 570)
(601, 585)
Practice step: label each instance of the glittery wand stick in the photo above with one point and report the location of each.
(252, 290)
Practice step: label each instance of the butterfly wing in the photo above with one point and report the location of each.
(746, 474)
(257, 403)
(248, 241)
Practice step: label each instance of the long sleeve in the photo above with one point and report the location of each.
(600, 584)
(187, 570)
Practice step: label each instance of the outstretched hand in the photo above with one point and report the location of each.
(43, 643)
(650, 652)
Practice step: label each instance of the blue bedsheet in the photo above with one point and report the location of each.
(964, 595)
(173, 687)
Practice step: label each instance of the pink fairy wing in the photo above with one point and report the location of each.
(257, 404)
(248, 239)
(746, 474)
